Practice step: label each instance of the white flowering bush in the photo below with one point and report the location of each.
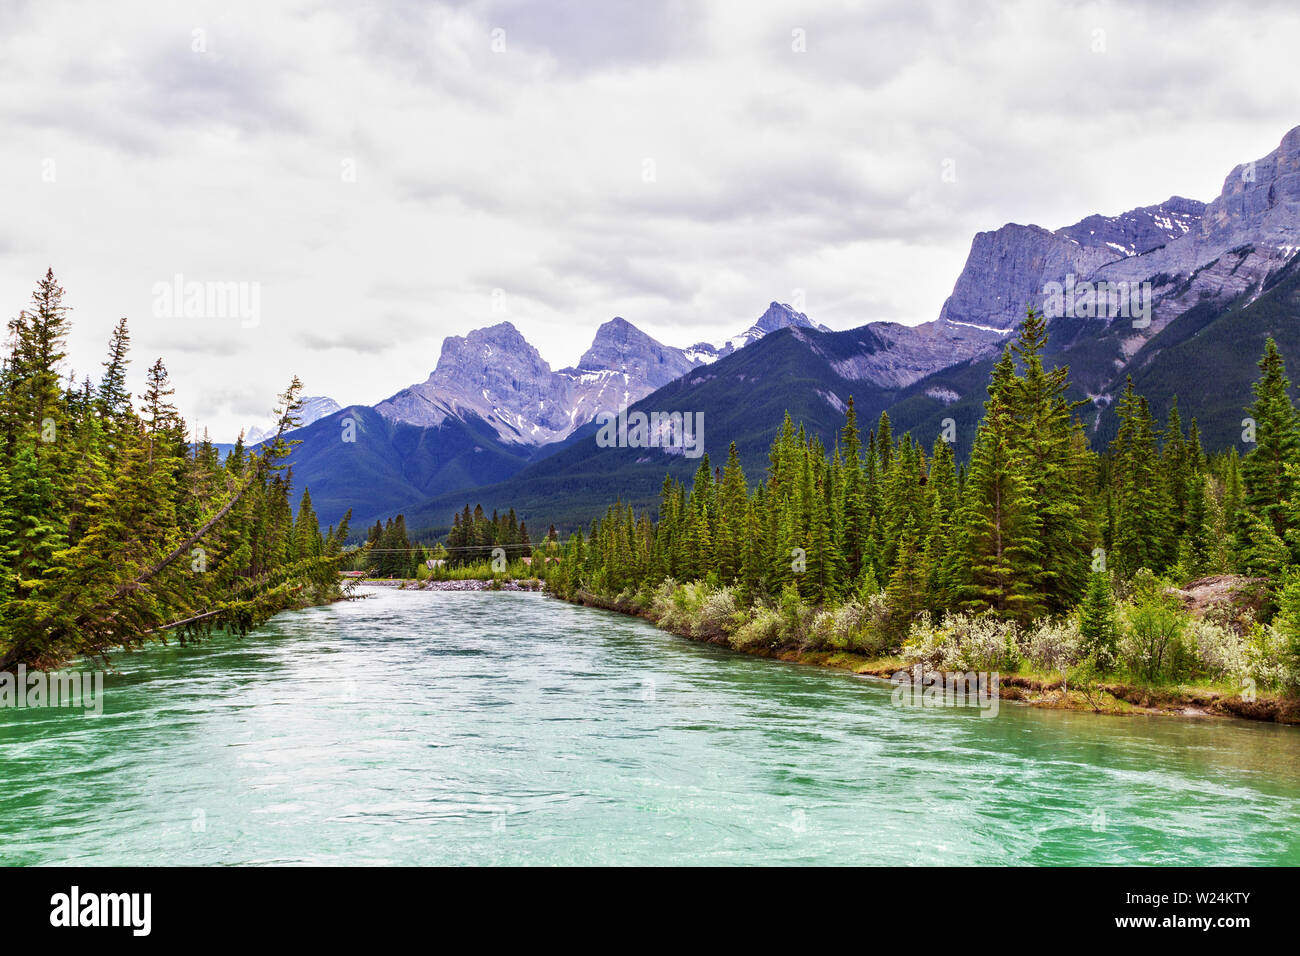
(874, 636)
(762, 630)
(1269, 659)
(717, 614)
(1053, 645)
(661, 599)
(964, 642)
(677, 606)
(821, 631)
(1220, 652)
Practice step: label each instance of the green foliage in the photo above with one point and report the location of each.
(870, 543)
(1154, 625)
(1098, 626)
(115, 528)
(1269, 485)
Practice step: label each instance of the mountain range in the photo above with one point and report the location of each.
(494, 423)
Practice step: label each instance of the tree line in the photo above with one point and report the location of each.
(115, 526)
(474, 539)
(1030, 525)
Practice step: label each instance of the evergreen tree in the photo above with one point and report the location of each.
(114, 399)
(999, 527)
(1264, 476)
(1097, 623)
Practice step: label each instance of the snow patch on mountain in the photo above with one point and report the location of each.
(496, 375)
(314, 408)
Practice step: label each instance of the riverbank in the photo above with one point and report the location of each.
(1032, 689)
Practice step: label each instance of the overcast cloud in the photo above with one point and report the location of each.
(380, 170)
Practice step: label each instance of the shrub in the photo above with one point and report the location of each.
(1269, 659)
(875, 636)
(1220, 652)
(796, 616)
(821, 631)
(673, 605)
(1287, 621)
(762, 630)
(1056, 646)
(1151, 643)
(717, 613)
(849, 620)
(964, 642)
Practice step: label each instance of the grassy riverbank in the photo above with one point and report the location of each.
(1068, 688)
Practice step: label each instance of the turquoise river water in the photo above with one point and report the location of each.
(479, 728)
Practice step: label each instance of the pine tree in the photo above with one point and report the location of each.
(1264, 476)
(907, 594)
(1141, 505)
(307, 541)
(998, 548)
(1057, 465)
(853, 505)
(114, 399)
(1097, 624)
(732, 495)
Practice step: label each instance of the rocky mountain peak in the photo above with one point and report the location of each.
(619, 346)
(314, 408)
(614, 340)
(1138, 230)
(1260, 199)
(497, 356)
(779, 316)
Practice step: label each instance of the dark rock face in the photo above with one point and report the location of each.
(1244, 236)
(1007, 269)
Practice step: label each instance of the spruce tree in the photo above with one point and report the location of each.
(997, 565)
(1267, 486)
(1097, 623)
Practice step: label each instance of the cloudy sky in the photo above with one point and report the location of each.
(385, 174)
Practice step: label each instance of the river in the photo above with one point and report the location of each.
(509, 728)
